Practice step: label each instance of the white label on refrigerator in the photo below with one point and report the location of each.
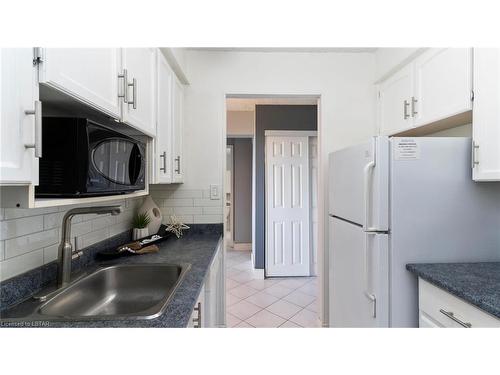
(406, 149)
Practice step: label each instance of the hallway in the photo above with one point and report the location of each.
(278, 302)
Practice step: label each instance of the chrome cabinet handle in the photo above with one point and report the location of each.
(197, 320)
(178, 161)
(134, 93)
(413, 102)
(474, 158)
(37, 112)
(124, 76)
(406, 104)
(164, 156)
(452, 316)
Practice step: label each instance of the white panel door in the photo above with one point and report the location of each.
(394, 102)
(18, 92)
(87, 74)
(287, 206)
(163, 143)
(139, 111)
(486, 114)
(443, 84)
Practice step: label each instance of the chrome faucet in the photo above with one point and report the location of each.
(65, 247)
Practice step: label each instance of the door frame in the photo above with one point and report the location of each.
(287, 133)
(231, 215)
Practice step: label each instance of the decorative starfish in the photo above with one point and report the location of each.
(176, 226)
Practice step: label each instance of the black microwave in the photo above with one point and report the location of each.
(82, 158)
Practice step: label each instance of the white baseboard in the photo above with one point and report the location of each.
(258, 273)
(239, 246)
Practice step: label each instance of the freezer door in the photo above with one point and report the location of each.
(358, 184)
(359, 276)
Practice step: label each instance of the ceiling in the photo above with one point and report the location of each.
(248, 104)
(286, 49)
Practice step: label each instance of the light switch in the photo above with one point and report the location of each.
(214, 192)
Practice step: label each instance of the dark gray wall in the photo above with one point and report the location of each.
(242, 187)
(273, 117)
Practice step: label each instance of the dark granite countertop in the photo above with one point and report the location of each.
(197, 248)
(476, 283)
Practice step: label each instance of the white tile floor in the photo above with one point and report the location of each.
(276, 302)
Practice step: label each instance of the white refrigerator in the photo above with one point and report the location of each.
(397, 201)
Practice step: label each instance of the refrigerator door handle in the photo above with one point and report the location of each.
(368, 192)
(367, 294)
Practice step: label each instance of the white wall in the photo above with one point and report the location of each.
(240, 123)
(344, 82)
(388, 60)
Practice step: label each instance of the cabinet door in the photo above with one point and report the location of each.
(443, 84)
(394, 102)
(18, 93)
(178, 161)
(139, 112)
(486, 114)
(162, 158)
(88, 74)
(197, 319)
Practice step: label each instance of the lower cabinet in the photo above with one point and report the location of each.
(210, 308)
(440, 309)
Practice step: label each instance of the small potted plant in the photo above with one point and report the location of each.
(140, 224)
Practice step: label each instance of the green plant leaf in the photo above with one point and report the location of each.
(141, 220)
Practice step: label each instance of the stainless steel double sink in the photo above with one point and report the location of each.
(123, 291)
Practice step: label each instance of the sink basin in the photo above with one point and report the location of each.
(126, 291)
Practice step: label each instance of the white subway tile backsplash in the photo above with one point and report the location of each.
(207, 202)
(212, 210)
(207, 219)
(24, 244)
(119, 228)
(30, 237)
(103, 221)
(181, 202)
(92, 237)
(167, 211)
(177, 194)
(17, 265)
(20, 227)
(15, 213)
(50, 253)
(79, 229)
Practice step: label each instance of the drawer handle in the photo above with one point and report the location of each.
(450, 315)
(197, 320)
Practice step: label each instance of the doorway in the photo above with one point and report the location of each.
(254, 296)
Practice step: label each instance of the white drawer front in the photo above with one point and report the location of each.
(435, 303)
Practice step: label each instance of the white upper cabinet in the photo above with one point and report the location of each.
(394, 104)
(163, 146)
(139, 70)
(486, 115)
(178, 99)
(20, 118)
(90, 75)
(435, 86)
(443, 84)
